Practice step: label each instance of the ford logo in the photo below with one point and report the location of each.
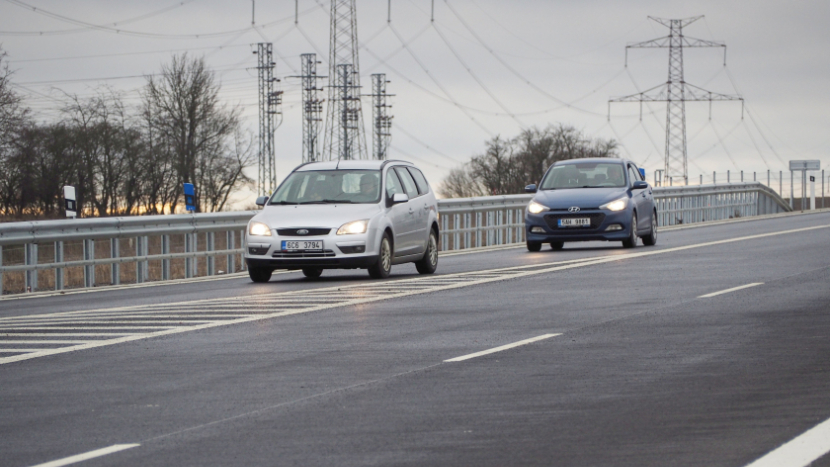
(573, 209)
(302, 232)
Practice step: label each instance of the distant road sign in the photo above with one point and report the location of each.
(189, 197)
(69, 201)
(805, 165)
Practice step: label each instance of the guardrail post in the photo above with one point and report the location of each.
(792, 188)
(210, 241)
(115, 268)
(509, 226)
(30, 254)
(59, 278)
(244, 245)
(478, 229)
(165, 263)
(781, 183)
(231, 244)
(140, 250)
(1, 272)
(89, 269)
(188, 248)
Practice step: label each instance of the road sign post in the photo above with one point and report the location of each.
(69, 201)
(803, 166)
(189, 197)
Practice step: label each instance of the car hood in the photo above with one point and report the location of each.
(584, 198)
(315, 215)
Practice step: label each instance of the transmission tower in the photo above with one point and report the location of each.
(675, 92)
(382, 129)
(270, 118)
(344, 134)
(312, 107)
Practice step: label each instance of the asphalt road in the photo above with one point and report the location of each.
(634, 367)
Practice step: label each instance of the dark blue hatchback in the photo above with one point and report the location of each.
(591, 199)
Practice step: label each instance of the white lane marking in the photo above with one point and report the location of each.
(88, 455)
(43, 342)
(733, 289)
(801, 451)
(19, 350)
(501, 348)
(350, 295)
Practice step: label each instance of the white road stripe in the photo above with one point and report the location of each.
(87, 455)
(733, 289)
(801, 451)
(503, 347)
(20, 350)
(43, 342)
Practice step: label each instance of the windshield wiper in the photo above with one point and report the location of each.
(284, 202)
(336, 201)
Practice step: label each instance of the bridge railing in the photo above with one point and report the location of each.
(77, 253)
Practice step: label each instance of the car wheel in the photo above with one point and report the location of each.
(534, 246)
(312, 273)
(631, 241)
(556, 246)
(429, 263)
(383, 267)
(260, 274)
(651, 238)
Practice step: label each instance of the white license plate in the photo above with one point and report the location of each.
(302, 245)
(575, 222)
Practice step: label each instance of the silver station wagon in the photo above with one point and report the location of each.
(345, 215)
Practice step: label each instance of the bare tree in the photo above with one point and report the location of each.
(183, 109)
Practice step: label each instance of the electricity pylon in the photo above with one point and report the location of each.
(312, 107)
(345, 137)
(675, 92)
(269, 119)
(382, 128)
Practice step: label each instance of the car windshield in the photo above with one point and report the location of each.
(585, 175)
(329, 186)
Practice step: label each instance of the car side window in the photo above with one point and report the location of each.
(420, 180)
(408, 182)
(393, 185)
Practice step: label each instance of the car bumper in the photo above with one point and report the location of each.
(543, 227)
(339, 252)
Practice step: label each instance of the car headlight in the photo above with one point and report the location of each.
(356, 227)
(259, 229)
(536, 208)
(616, 205)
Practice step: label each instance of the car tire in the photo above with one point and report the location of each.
(534, 246)
(651, 238)
(429, 263)
(631, 241)
(556, 246)
(260, 275)
(312, 273)
(382, 268)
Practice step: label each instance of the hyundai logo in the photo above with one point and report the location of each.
(302, 232)
(573, 209)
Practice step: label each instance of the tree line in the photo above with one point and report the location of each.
(124, 160)
(508, 165)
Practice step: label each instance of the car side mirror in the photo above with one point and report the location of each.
(530, 188)
(639, 185)
(261, 200)
(398, 198)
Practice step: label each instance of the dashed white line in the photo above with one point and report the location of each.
(502, 348)
(87, 455)
(801, 451)
(733, 289)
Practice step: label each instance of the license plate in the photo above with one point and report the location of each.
(302, 245)
(575, 222)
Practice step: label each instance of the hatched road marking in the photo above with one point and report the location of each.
(147, 321)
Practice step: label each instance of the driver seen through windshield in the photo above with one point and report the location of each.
(329, 186)
(584, 175)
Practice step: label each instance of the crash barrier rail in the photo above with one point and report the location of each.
(69, 253)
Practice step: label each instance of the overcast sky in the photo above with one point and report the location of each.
(456, 92)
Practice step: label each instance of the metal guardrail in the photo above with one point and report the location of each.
(464, 223)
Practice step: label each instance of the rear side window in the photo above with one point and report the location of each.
(408, 182)
(420, 180)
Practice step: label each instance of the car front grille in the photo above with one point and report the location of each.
(293, 232)
(304, 254)
(553, 222)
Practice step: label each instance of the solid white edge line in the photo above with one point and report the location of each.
(733, 289)
(87, 455)
(801, 451)
(500, 348)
